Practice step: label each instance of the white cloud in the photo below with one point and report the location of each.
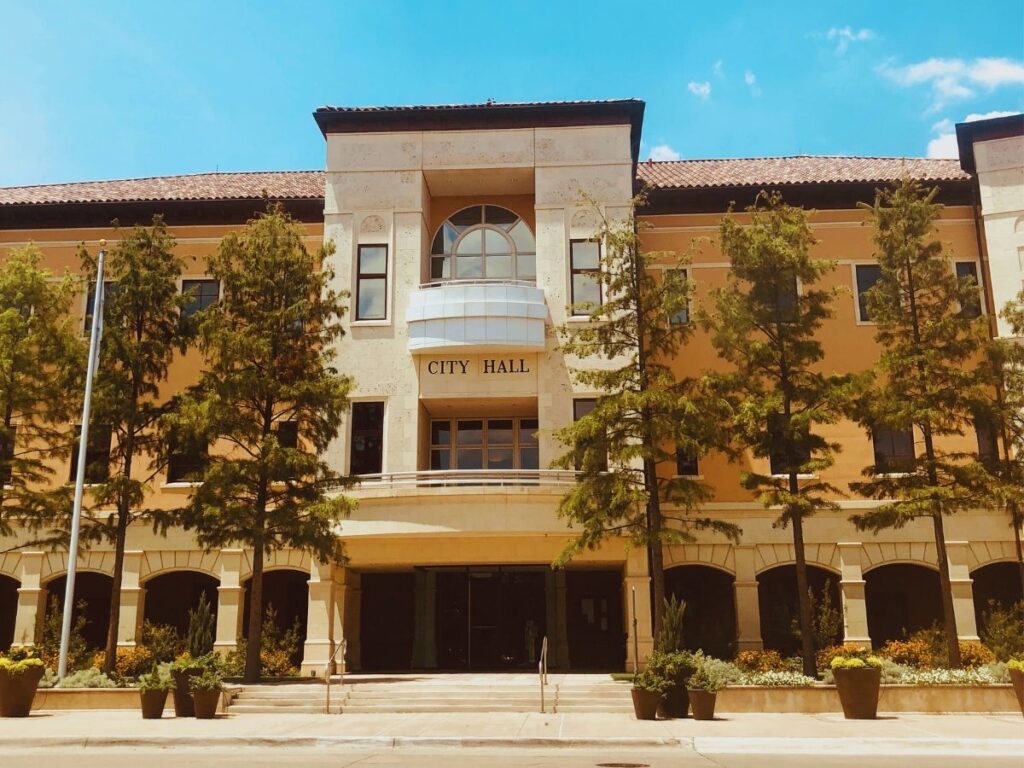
(717, 69)
(663, 152)
(954, 79)
(846, 35)
(701, 90)
(944, 144)
(749, 78)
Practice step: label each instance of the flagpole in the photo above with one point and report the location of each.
(95, 338)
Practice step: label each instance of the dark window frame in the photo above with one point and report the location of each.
(109, 289)
(683, 313)
(863, 314)
(774, 460)
(185, 462)
(576, 416)
(573, 271)
(361, 276)
(686, 465)
(895, 442)
(7, 447)
(376, 461)
(96, 471)
(523, 440)
(975, 272)
(196, 304)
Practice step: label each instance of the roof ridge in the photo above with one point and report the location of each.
(154, 178)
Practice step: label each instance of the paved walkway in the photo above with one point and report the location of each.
(765, 733)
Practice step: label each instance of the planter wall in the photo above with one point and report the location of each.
(97, 698)
(892, 698)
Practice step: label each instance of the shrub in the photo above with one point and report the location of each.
(974, 654)
(1003, 630)
(1015, 664)
(775, 679)
(855, 662)
(131, 662)
(823, 658)
(760, 661)
(649, 680)
(163, 641)
(980, 676)
(87, 678)
(277, 650)
(156, 681)
(199, 639)
(210, 680)
(670, 638)
(674, 667)
(724, 671)
(926, 649)
(79, 656)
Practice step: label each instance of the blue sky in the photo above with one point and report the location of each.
(115, 89)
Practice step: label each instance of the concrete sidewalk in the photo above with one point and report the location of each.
(765, 733)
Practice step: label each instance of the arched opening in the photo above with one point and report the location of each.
(92, 600)
(997, 583)
(483, 242)
(170, 596)
(901, 599)
(780, 610)
(286, 594)
(709, 623)
(8, 610)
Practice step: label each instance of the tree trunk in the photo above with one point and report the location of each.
(114, 620)
(254, 641)
(1016, 521)
(948, 615)
(804, 600)
(657, 558)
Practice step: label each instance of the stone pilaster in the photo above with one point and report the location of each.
(958, 553)
(851, 588)
(31, 599)
(129, 624)
(230, 595)
(748, 606)
(637, 592)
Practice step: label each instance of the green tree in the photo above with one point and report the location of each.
(929, 376)
(765, 323)
(269, 352)
(143, 328)
(645, 412)
(41, 361)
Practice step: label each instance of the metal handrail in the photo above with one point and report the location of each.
(542, 670)
(341, 675)
(469, 477)
(440, 283)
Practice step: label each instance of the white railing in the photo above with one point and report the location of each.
(481, 281)
(341, 675)
(469, 477)
(542, 670)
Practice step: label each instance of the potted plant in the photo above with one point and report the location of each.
(18, 683)
(703, 688)
(153, 688)
(183, 669)
(1016, 669)
(648, 688)
(675, 668)
(206, 690)
(857, 681)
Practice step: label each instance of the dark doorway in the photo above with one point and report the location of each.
(998, 584)
(901, 599)
(287, 593)
(594, 619)
(386, 621)
(94, 590)
(780, 611)
(709, 623)
(8, 610)
(170, 596)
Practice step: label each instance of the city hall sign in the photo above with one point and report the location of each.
(478, 375)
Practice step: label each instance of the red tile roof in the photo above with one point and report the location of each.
(465, 107)
(800, 169)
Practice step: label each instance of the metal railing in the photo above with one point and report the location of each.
(341, 675)
(542, 670)
(442, 282)
(469, 477)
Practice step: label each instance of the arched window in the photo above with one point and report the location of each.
(484, 242)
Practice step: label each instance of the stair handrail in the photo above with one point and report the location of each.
(341, 675)
(542, 670)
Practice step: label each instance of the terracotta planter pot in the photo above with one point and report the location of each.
(703, 704)
(18, 691)
(1017, 679)
(206, 704)
(675, 702)
(153, 703)
(858, 692)
(183, 706)
(645, 704)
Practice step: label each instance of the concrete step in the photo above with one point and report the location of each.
(400, 707)
(253, 709)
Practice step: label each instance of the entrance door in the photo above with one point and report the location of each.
(594, 618)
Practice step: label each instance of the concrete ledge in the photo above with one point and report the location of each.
(60, 699)
(893, 698)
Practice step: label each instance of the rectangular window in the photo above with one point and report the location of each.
(686, 463)
(580, 408)
(186, 463)
(288, 434)
(988, 446)
(682, 317)
(585, 269)
(491, 444)
(372, 283)
(97, 454)
(785, 460)
(109, 289)
(867, 276)
(367, 438)
(201, 294)
(969, 270)
(894, 450)
(7, 440)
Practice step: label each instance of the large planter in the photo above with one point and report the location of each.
(645, 704)
(183, 705)
(1017, 680)
(702, 703)
(858, 691)
(153, 703)
(675, 702)
(206, 704)
(18, 691)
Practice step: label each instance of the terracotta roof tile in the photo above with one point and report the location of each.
(801, 169)
(463, 107)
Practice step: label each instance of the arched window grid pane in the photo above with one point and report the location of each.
(483, 242)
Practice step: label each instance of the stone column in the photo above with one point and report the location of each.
(958, 554)
(132, 595)
(748, 606)
(851, 589)
(319, 645)
(230, 595)
(31, 599)
(637, 578)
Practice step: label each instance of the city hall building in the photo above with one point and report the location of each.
(463, 238)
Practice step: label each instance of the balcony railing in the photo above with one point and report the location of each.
(468, 478)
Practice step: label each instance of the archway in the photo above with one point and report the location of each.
(780, 610)
(287, 592)
(170, 596)
(998, 583)
(901, 599)
(8, 610)
(92, 589)
(709, 623)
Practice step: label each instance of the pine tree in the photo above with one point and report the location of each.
(765, 324)
(42, 359)
(268, 346)
(143, 328)
(645, 412)
(928, 376)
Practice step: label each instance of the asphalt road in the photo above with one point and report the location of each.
(472, 758)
